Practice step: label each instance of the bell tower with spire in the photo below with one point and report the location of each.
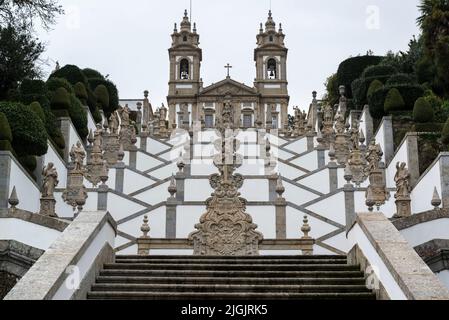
(270, 56)
(185, 79)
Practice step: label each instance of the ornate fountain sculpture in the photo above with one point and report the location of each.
(226, 229)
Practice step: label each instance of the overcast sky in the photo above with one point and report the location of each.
(129, 39)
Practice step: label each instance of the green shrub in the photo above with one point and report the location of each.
(79, 116)
(29, 163)
(92, 74)
(54, 84)
(394, 101)
(445, 133)
(28, 131)
(373, 87)
(423, 112)
(60, 99)
(81, 93)
(54, 132)
(71, 73)
(360, 89)
(352, 68)
(38, 87)
(401, 78)
(37, 109)
(102, 94)
(428, 127)
(378, 71)
(5, 129)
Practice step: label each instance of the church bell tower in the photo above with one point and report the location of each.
(270, 56)
(185, 80)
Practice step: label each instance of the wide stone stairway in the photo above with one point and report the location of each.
(230, 278)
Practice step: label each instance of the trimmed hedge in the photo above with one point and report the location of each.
(402, 78)
(102, 94)
(33, 87)
(428, 127)
(79, 116)
(378, 71)
(37, 109)
(352, 68)
(29, 162)
(360, 89)
(81, 93)
(410, 93)
(394, 101)
(54, 84)
(112, 90)
(92, 103)
(60, 100)
(423, 112)
(5, 129)
(28, 130)
(71, 73)
(373, 87)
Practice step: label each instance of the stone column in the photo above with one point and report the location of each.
(310, 141)
(102, 202)
(133, 158)
(369, 127)
(388, 139)
(143, 140)
(180, 185)
(444, 176)
(349, 205)
(272, 181)
(321, 156)
(119, 176)
(281, 211)
(333, 176)
(5, 173)
(64, 125)
(413, 157)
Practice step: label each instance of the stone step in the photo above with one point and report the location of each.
(231, 267)
(232, 274)
(235, 280)
(119, 295)
(284, 258)
(233, 261)
(108, 287)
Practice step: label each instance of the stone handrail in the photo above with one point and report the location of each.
(69, 267)
(388, 259)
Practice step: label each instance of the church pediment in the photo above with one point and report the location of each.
(228, 86)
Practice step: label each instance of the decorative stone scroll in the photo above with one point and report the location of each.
(50, 182)
(226, 229)
(403, 189)
(76, 193)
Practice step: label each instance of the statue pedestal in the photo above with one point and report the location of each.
(403, 207)
(48, 205)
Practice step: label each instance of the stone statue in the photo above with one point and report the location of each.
(328, 114)
(125, 115)
(227, 117)
(355, 135)
(50, 180)
(402, 180)
(77, 155)
(339, 123)
(374, 155)
(113, 123)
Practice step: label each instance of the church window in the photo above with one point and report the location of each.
(271, 38)
(184, 39)
(272, 69)
(247, 121)
(184, 69)
(209, 120)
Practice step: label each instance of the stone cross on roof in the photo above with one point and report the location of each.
(228, 66)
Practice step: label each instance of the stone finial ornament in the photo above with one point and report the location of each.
(145, 228)
(13, 199)
(280, 189)
(436, 199)
(305, 229)
(172, 189)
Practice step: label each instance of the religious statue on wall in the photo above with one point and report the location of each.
(50, 180)
(403, 189)
(77, 156)
(113, 123)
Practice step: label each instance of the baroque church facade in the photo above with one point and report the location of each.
(264, 106)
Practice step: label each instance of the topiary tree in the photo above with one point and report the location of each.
(5, 133)
(394, 101)
(402, 78)
(28, 131)
(423, 112)
(113, 93)
(60, 102)
(379, 71)
(54, 84)
(102, 94)
(37, 109)
(79, 116)
(71, 73)
(81, 93)
(373, 87)
(92, 74)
